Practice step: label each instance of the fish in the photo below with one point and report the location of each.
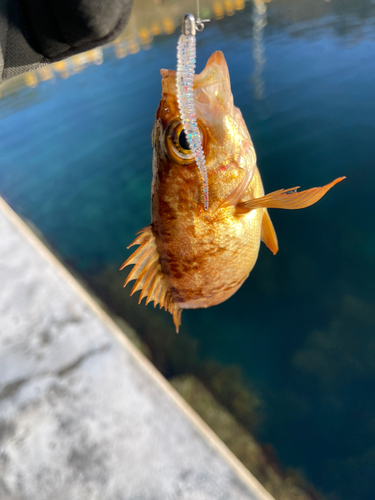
(189, 257)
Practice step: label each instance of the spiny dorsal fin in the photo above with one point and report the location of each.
(268, 234)
(149, 276)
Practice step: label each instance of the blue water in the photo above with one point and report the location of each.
(76, 160)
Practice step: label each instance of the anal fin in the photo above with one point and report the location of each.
(268, 234)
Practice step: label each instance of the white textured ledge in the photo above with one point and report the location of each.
(83, 414)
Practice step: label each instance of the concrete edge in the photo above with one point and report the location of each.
(206, 432)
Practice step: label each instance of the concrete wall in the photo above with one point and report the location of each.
(83, 414)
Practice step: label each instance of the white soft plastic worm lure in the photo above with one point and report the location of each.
(186, 51)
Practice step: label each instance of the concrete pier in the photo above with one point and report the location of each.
(83, 414)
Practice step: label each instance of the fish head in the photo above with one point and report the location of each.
(229, 152)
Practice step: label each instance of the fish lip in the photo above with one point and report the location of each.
(218, 58)
(168, 73)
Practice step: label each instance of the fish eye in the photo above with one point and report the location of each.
(177, 145)
(182, 141)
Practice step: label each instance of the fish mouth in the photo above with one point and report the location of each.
(214, 79)
(216, 71)
(216, 59)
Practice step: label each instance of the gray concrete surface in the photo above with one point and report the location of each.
(83, 415)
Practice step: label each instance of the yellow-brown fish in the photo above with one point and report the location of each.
(190, 257)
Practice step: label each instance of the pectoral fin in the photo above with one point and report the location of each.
(288, 199)
(268, 234)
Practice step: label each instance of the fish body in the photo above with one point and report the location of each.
(190, 257)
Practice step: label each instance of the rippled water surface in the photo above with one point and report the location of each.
(76, 160)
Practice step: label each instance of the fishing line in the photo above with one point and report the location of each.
(186, 59)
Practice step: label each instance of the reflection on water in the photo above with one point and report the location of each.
(259, 23)
(76, 160)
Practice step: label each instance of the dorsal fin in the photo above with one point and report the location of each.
(149, 276)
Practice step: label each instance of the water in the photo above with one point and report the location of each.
(76, 160)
